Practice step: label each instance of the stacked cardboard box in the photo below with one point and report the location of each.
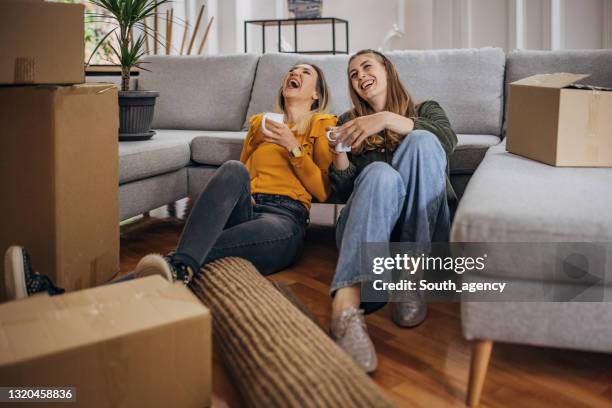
(41, 43)
(143, 342)
(58, 148)
(555, 121)
(59, 175)
(139, 343)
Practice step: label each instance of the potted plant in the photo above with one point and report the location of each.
(127, 42)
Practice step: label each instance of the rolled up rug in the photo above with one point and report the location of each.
(276, 355)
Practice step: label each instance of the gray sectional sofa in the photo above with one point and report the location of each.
(202, 114)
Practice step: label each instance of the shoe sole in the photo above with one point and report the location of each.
(14, 274)
(153, 264)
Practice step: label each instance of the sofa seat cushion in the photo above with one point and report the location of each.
(514, 199)
(215, 148)
(511, 199)
(470, 151)
(167, 151)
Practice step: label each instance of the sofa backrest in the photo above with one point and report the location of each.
(210, 93)
(468, 84)
(272, 68)
(598, 63)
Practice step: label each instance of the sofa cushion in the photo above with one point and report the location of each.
(468, 84)
(200, 92)
(167, 151)
(511, 199)
(470, 151)
(514, 199)
(214, 148)
(597, 63)
(272, 68)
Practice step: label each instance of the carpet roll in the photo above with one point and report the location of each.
(276, 355)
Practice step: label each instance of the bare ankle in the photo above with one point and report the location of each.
(346, 298)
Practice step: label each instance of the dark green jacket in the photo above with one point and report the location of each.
(430, 116)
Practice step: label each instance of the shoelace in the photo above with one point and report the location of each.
(179, 271)
(346, 318)
(35, 282)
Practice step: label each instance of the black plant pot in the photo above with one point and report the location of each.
(136, 114)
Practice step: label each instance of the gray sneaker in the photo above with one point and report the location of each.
(410, 307)
(350, 333)
(410, 311)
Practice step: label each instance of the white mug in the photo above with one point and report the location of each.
(276, 117)
(331, 136)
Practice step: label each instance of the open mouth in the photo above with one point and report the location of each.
(367, 84)
(293, 83)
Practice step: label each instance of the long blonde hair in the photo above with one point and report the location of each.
(320, 105)
(398, 101)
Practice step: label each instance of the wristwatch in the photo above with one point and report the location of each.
(296, 151)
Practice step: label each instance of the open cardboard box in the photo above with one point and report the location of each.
(555, 121)
(139, 343)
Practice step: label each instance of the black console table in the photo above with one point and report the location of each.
(295, 22)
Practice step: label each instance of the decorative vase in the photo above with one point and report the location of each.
(136, 114)
(305, 8)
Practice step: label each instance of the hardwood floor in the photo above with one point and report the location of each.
(423, 367)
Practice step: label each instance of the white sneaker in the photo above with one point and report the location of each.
(20, 280)
(155, 264)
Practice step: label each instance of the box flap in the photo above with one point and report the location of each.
(557, 81)
(589, 88)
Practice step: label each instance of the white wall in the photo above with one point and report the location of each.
(532, 24)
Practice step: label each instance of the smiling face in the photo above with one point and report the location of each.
(368, 77)
(300, 83)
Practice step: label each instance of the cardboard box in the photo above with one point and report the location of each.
(139, 343)
(554, 121)
(59, 175)
(41, 43)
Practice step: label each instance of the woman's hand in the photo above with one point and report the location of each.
(280, 134)
(355, 131)
(339, 159)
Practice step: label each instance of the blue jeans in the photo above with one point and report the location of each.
(407, 197)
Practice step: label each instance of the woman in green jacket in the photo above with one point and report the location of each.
(395, 181)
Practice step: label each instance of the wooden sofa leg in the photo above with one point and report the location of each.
(481, 354)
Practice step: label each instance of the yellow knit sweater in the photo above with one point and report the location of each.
(274, 170)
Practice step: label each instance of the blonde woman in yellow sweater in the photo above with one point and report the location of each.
(256, 208)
